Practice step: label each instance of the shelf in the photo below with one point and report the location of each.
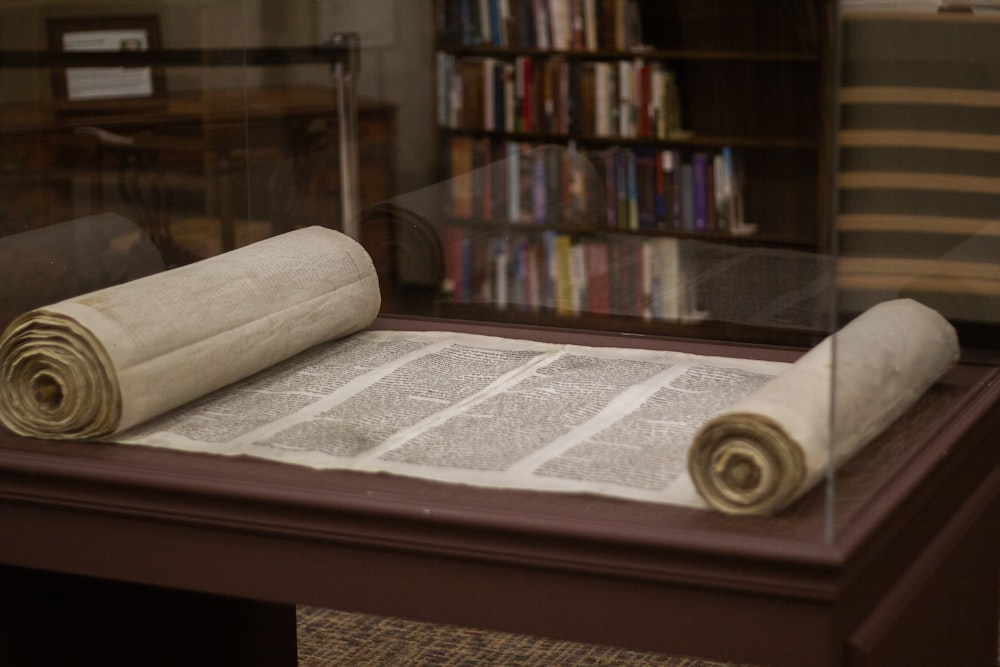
(691, 141)
(694, 120)
(647, 54)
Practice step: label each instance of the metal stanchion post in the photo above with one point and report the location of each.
(344, 72)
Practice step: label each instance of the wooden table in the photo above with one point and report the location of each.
(148, 547)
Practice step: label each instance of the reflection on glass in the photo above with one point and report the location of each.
(48, 264)
(705, 217)
(553, 230)
(210, 126)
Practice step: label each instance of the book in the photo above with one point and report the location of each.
(528, 174)
(461, 162)
(539, 189)
(473, 75)
(668, 287)
(626, 108)
(699, 191)
(561, 26)
(649, 193)
(524, 85)
(445, 64)
(687, 204)
(586, 105)
(668, 203)
(598, 277)
(590, 24)
(665, 108)
(632, 192)
(501, 275)
(454, 251)
(604, 95)
(543, 26)
(562, 272)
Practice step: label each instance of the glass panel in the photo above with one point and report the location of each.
(607, 137)
(918, 206)
(595, 175)
(735, 177)
(208, 126)
(665, 171)
(560, 234)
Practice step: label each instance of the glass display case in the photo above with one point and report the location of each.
(681, 316)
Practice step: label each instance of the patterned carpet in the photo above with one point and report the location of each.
(334, 639)
(328, 639)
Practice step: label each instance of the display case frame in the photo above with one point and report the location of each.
(649, 577)
(855, 572)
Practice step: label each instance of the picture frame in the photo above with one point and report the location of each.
(98, 88)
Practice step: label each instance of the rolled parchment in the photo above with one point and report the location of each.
(771, 447)
(99, 363)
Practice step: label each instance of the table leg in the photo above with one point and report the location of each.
(56, 619)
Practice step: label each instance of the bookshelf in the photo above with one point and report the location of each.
(588, 144)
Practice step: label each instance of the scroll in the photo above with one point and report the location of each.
(96, 364)
(769, 448)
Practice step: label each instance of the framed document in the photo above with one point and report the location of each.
(112, 86)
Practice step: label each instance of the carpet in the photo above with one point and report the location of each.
(328, 638)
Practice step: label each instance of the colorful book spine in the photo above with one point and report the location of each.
(699, 192)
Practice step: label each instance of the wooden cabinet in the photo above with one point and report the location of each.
(616, 130)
